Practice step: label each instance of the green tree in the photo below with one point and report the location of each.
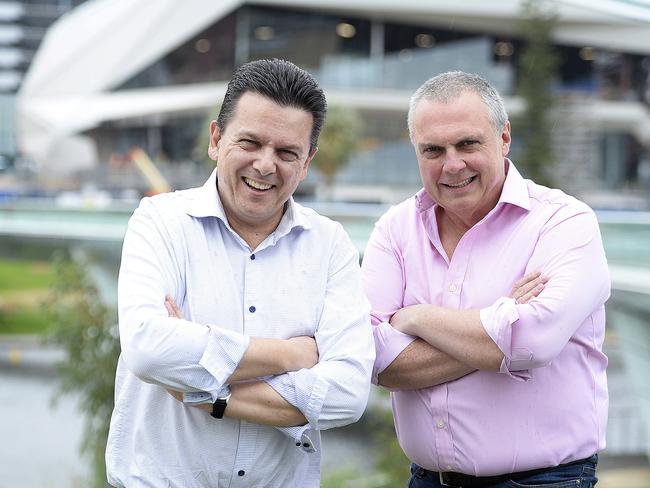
(202, 141)
(337, 141)
(391, 464)
(87, 330)
(537, 70)
(391, 460)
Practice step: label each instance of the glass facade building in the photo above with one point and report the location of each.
(374, 62)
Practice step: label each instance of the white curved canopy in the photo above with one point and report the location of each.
(102, 43)
(96, 47)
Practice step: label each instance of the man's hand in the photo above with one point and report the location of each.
(172, 308)
(528, 287)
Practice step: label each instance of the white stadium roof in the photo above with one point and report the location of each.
(102, 43)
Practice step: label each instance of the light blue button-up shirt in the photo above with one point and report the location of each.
(303, 279)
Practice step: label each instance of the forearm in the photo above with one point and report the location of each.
(421, 365)
(458, 333)
(267, 357)
(258, 403)
(230, 356)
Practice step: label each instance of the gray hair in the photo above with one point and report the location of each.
(448, 86)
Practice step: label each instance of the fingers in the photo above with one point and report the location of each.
(528, 287)
(531, 294)
(526, 279)
(172, 308)
(169, 307)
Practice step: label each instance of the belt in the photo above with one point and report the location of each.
(460, 480)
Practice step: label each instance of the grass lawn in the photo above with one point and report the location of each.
(24, 287)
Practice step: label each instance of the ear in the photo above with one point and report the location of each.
(215, 139)
(505, 139)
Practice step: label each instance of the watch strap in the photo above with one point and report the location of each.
(219, 407)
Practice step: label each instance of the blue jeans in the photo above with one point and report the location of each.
(581, 475)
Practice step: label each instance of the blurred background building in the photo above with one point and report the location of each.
(23, 25)
(83, 84)
(112, 75)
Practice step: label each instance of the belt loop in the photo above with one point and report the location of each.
(441, 479)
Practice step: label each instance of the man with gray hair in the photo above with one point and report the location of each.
(496, 380)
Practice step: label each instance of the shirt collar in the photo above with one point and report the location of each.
(514, 192)
(515, 188)
(204, 201)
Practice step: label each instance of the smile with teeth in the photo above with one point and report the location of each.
(256, 184)
(460, 184)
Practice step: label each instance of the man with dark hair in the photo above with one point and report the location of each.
(490, 388)
(243, 324)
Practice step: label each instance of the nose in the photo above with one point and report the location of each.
(265, 162)
(454, 162)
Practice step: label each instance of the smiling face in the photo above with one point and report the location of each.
(262, 156)
(460, 155)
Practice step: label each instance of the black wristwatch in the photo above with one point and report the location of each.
(219, 406)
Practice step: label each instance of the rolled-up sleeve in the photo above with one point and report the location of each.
(497, 321)
(335, 391)
(162, 350)
(383, 281)
(570, 253)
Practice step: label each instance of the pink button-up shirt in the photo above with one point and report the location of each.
(548, 404)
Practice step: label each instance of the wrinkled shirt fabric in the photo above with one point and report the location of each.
(548, 404)
(303, 279)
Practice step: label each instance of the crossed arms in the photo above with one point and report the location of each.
(322, 381)
(450, 343)
(253, 400)
(423, 363)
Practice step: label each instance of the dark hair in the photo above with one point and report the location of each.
(280, 81)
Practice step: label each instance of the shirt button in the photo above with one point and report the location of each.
(241, 472)
(298, 444)
(305, 444)
(253, 257)
(440, 424)
(453, 288)
(449, 466)
(251, 309)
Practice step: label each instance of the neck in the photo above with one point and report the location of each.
(253, 235)
(451, 225)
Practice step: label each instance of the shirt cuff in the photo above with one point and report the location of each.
(498, 320)
(303, 389)
(197, 397)
(305, 438)
(389, 343)
(224, 350)
(200, 397)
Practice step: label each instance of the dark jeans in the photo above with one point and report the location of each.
(581, 475)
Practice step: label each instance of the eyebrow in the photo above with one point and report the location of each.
(288, 147)
(469, 137)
